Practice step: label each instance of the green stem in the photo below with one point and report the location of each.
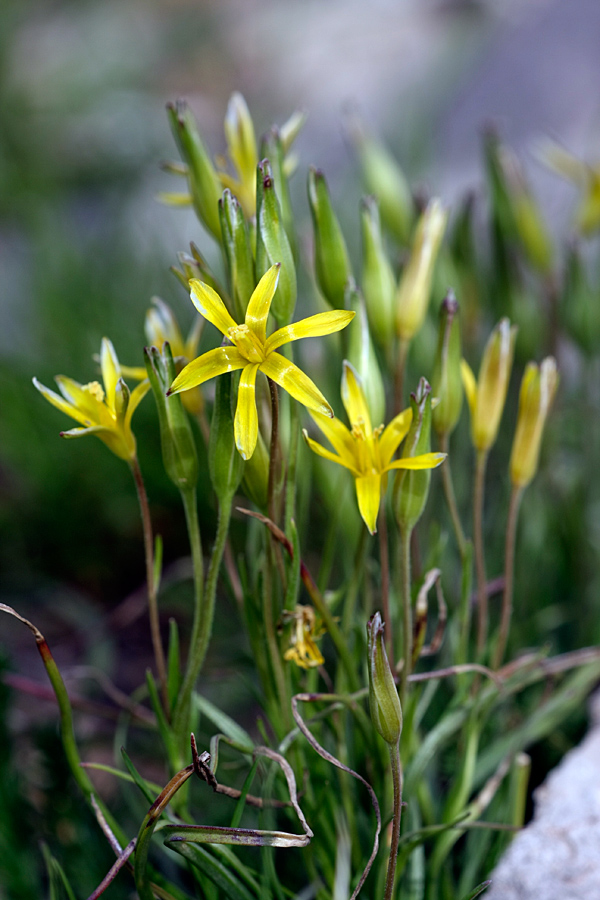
(466, 580)
(482, 597)
(384, 561)
(159, 655)
(349, 614)
(198, 649)
(274, 454)
(399, 373)
(448, 484)
(407, 635)
(397, 780)
(190, 507)
(509, 567)
(292, 463)
(272, 641)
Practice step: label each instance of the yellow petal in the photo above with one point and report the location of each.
(354, 400)
(246, 417)
(393, 435)
(337, 434)
(90, 409)
(368, 492)
(209, 365)
(170, 198)
(80, 432)
(111, 371)
(424, 461)
(327, 454)
(138, 373)
(469, 384)
(260, 303)
(209, 304)
(60, 403)
(296, 383)
(314, 326)
(137, 394)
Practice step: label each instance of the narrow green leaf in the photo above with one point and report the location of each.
(59, 886)
(240, 805)
(219, 874)
(478, 890)
(224, 723)
(144, 786)
(173, 664)
(158, 556)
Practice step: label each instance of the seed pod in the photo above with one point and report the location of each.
(378, 280)
(332, 263)
(225, 464)
(237, 253)
(384, 703)
(273, 246)
(446, 382)
(411, 487)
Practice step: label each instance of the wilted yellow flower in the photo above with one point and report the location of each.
(486, 397)
(582, 174)
(103, 411)
(412, 297)
(307, 628)
(366, 451)
(537, 392)
(252, 351)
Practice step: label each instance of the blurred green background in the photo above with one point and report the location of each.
(84, 246)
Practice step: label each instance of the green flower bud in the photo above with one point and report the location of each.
(204, 183)
(414, 290)
(412, 485)
(237, 252)
(361, 354)
(446, 382)
(255, 482)
(273, 246)
(384, 703)
(272, 148)
(332, 263)
(385, 179)
(177, 442)
(122, 395)
(378, 280)
(535, 399)
(225, 464)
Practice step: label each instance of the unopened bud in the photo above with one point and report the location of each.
(273, 246)
(412, 297)
(241, 146)
(361, 354)
(332, 263)
(385, 179)
(446, 382)
(384, 703)
(411, 487)
(225, 464)
(486, 397)
(237, 253)
(537, 393)
(378, 280)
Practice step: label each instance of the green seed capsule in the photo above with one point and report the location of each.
(332, 263)
(384, 703)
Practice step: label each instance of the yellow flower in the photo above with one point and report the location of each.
(486, 397)
(584, 175)
(252, 351)
(307, 629)
(241, 149)
(103, 411)
(366, 451)
(537, 393)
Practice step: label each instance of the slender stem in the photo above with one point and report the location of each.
(198, 649)
(448, 484)
(272, 642)
(349, 614)
(399, 373)
(482, 597)
(384, 561)
(397, 780)
(190, 507)
(274, 455)
(159, 656)
(407, 635)
(292, 463)
(509, 566)
(466, 579)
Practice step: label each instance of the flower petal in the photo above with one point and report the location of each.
(469, 384)
(259, 304)
(424, 461)
(368, 493)
(327, 454)
(209, 304)
(393, 435)
(60, 403)
(337, 434)
(138, 373)
(314, 326)
(209, 365)
(137, 394)
(354, 400)
(296, 383)
(111, 371)
(80, 432)
(91, 407)
(171, 198)
(245, 425)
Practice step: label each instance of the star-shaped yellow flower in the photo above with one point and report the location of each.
(252, 351)
(103, 411)
(365, 450)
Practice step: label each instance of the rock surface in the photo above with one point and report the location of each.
(557, 856)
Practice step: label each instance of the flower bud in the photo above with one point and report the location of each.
(332, 263)
(361, 354)
(385, 179)
(537, 393)
(412, 297)
(272, 148)
(530, 230)
(273, 246)
(176, 439)
(241, 146)
(237, 253)
(225, 464)
(446, 382)
(205, 187)
(486, 397)
(255, 481)
(378, 280)
(160, 326)
(384, 703)
(412, 485)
